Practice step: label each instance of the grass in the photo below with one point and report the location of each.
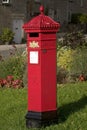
(72, 108)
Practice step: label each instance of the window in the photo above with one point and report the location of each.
(81, 3)
(51, 13)
(5, 1)
(58, 14)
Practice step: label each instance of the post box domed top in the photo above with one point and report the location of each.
(41, 23)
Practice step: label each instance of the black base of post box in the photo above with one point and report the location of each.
(39, 119)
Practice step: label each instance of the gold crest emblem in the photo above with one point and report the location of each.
(33, 44)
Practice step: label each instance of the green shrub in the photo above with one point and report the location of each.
(14, 66)
(75, 18)
(6, 36)
(83, 18)
(61, 75)
(65, 58)
(79, 64)
(64, 64)
(25, 77)
(72, 63)
(72, 39)
(78, 18)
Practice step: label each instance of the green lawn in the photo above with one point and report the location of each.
(72, 108)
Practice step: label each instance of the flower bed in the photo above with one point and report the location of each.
(10, 82)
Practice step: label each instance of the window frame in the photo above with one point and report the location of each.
(5, 2)
(81, 3)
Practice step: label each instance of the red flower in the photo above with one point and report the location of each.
(10, 78)
(17, 83)
(3, 82)
(81, 78)
(10, 82)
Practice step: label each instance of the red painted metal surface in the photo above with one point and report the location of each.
(41, 23)
(41, 41)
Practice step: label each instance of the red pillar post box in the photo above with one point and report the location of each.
(41, 45)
